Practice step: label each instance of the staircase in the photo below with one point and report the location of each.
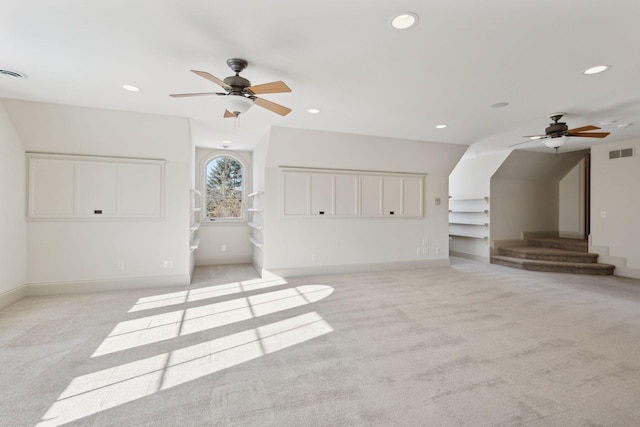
(554, 255)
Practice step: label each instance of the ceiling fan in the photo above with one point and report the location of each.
(558, 133)
(239, 94)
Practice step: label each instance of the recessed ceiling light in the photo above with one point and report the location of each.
(225, 142)
(441, 126)
(13, 74)
(404, 21)
(131, 88)
(500, 105)
(595, 70)
(313, 111)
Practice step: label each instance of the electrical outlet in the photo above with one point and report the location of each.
(168, 264)
(120, 265)
(224, 248)
(437, 250)
(314, 257)
(419, 251)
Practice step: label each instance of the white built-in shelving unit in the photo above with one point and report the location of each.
(469, 217)
(255, 219)
(195, 201)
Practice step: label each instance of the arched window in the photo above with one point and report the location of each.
(224, 188)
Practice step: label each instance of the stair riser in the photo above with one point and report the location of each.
(549, 257)
(566, 247)
(556, 269)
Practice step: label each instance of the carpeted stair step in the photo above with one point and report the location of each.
(547, 254)
(554, 266)
(576, 245)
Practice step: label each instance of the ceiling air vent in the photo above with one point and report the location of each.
(13, 74)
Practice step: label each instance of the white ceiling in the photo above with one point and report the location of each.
(341, 57)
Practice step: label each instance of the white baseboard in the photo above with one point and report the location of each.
(248, 259)
(355, 268)
(88, 286)
(469, 256)
(12, 296)
(620, 262)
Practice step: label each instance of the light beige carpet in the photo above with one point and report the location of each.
(473, 344)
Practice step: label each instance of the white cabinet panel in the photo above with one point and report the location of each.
(81, 187)
(296, 193)
(391, 195)
(346, 195)
(97, 189)
(321, 194)
(370, 195)
(139, 190)
(342, 193)
(51, 188)
(412, 199)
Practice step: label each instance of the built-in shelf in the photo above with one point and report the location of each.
(470, 198)
(195, 243)
(254, 194)
(195, 225)
(254, 210)
(255, 226)
(463, 221)
(255, 242)
(486, 211)
(469, 235)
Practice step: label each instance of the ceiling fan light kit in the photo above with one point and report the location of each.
(556, 142)
(239, 95)
(237, 104)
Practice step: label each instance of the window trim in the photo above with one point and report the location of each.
(202, 186)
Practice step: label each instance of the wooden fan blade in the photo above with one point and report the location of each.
(211, 78)
(184, 95)
(583, 129)
(590, 135)
(272, 106)
(273, 87)
(228, 114)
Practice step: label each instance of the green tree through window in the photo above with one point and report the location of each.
(224, 188)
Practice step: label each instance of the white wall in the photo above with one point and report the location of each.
(289, 242)
(572, 203)
(13, 227)
(234, 237)
(615, 203)
(87, 252)
(522, 205)
(472, 178)
(525, 193)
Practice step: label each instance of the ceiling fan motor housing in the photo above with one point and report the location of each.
(237, 83)
(556, 130)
